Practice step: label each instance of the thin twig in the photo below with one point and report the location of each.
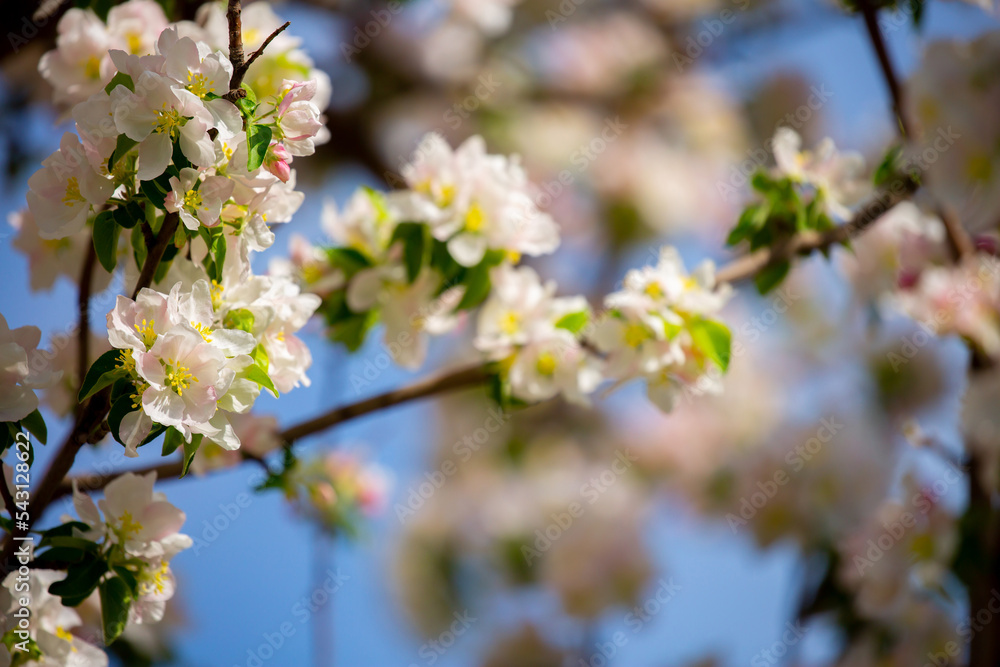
(806, 242)
(256, 54)
(83, 306)
(152, 263)
(91, 413)
(437, 384)
(870, 15)
(462, 378)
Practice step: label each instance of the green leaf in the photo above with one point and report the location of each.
(351, 331)
(771, 276)
(887, 168)
(129, 215)
(190, 449)
(156, 190)
(251, 95)
(116, 598)
(121, 407)
(414, 237)
(139, 250)
(30, 654)
(103, 372)
(574, 322)
(122, 146)
(171, 441)
(120, 79)
(713, 339)
(128, 577)
(64, 530)
(348, 260)
(477, 281)
(259, 356)
(81, 580)
(240, 318)
(75, 543)
(106, 233)
(257, 374)
(258, 139)
(35, 425)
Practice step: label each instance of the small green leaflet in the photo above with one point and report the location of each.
(713, 339)
(116, 598)
(106, 232)
(573, 322)
(258, 139)
(104, 371)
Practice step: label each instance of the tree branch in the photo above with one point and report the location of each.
(83, 305)
(92, 412)
(152, 263)
(806, 242)
(437, 384)
(870, 15)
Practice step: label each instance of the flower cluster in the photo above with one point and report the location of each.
(119, 551)
(82, 63)
(417, 258)
(23, 370)
(336, 489)
(807, 191)
(139, 534)
(48, 639)
(159, 144)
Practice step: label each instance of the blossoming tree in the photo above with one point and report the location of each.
(180, 164)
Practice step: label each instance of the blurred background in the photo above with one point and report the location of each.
(639, 121)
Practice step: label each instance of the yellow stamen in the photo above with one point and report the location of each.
(126, 362)
(216, 294)
(654, 290)
(635, 334)
(63, 634)
(205, 331)
(198, 84)
(92, 68)
(475, 219)
(73, 195)
(145, 331)
(192, 199)
(128, 524)
(178, 377)
(134, 41)
(168, 120)
(546, 364)
(511, 323)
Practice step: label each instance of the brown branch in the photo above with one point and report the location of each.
(437, 384)
(462, 378)
(88, 426)
(152, 263)
(83, 305)
(256, 54)
(807, 242)
(236, 55)
(870, 15)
